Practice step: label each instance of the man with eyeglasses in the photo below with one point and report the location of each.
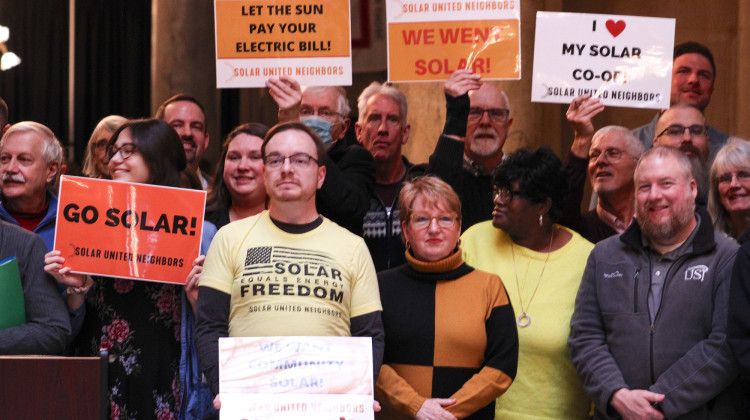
(471, 145)
(683, 127)
(350, 170)
(609, 157)
(30, 159)
(287, 271)
(693, 78)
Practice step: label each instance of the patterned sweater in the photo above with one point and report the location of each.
(450, 333)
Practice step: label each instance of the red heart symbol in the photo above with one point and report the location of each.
(615, 28)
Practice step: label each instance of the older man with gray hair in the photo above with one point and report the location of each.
(609, 156)
(477, 123)
(30, 159)
(383, 129)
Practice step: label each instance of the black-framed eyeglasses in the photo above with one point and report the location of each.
(506, 195)
(677, 130)
(612, 154)
(423, 221)
(497, 115)
(126, 150)
(298, 160)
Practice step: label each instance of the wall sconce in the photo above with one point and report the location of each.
(7, 59)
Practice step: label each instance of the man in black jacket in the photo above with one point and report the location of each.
(383, 129)
(471, 146)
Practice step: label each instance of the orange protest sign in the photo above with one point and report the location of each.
(135, 231)
(273, 28)
(430, 39)
(258, 39)
(423, 51)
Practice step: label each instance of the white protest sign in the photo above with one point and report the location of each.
(624, 60)
(285, 378)
(258, 39)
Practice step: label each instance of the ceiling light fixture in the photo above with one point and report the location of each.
(8, 59)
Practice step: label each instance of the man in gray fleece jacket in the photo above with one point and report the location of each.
(648, 335)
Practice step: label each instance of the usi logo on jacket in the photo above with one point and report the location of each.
(697, 272)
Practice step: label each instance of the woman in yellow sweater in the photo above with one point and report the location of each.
(541, 264)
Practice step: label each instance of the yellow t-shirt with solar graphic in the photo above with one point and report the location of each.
(287, 284)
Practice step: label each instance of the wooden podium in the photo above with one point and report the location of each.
(51, 387)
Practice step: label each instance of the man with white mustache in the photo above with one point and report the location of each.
(471, 146)
(30, 159)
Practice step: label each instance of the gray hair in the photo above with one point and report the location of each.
(632, 144)
(735, 154)
(342, 102)
(507, 101)
(376, 88)
(51, 149)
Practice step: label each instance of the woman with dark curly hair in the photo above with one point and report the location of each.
(541, 264)
(237, 190)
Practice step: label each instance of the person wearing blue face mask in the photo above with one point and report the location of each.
(350, 170)
(321, 126)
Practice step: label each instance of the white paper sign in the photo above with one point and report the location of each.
(624, 60)
(296, 377)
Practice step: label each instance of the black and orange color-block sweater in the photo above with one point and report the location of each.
(450, 332)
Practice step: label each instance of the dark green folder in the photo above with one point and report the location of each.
(12, 307)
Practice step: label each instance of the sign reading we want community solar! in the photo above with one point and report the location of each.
(258, 39)
(291, 378)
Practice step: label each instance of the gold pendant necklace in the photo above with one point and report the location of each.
(524, 319)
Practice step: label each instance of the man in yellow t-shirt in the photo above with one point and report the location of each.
(287, 271)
